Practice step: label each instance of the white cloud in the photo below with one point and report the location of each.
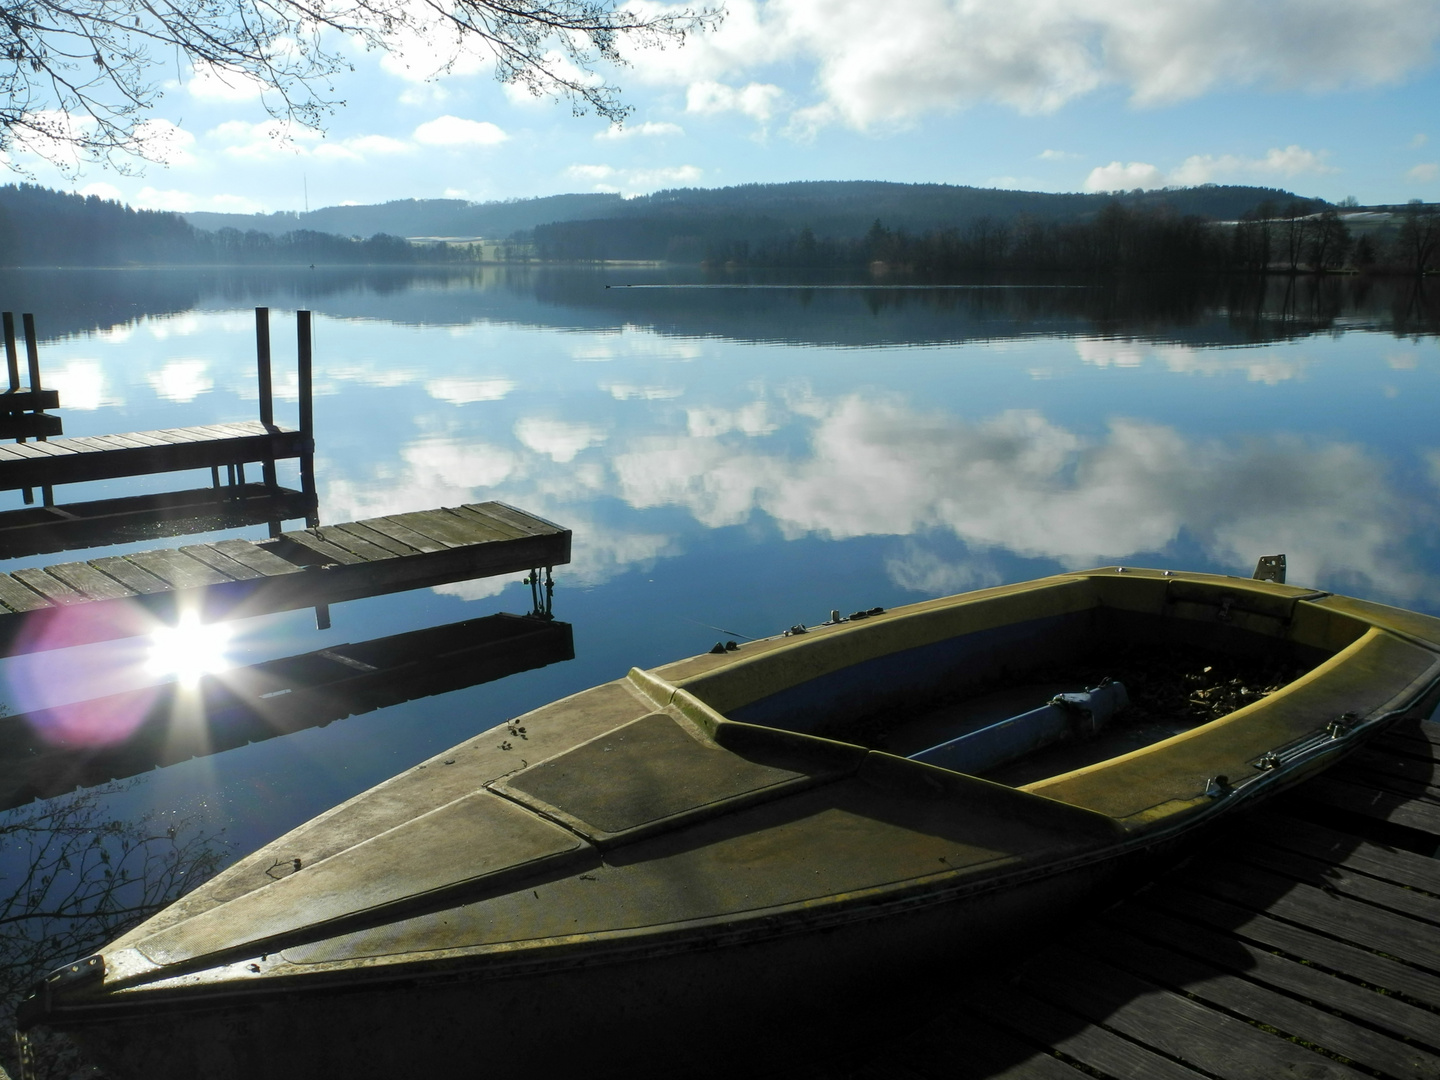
(210, 83)
(184, 202)
(1419, 140)
(182, 380)
(424, 94)
(1199, 169)
(1291, 161)
(456, 131)
(1260, 365)
(923, 56)
(1021, 483)
(461, 389)
(557, 439)
(1118, 177)
(1056, 155)
(628, 392)
(757, 418)
(358, 149)
(756, 100)
(648, 130)
(82, 385)
(264, 142)
(102, 190)
(634, 181)
(1426, 172)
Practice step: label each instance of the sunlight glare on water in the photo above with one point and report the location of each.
(189, 650)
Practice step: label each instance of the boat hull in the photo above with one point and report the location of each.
(704, 1006)
(687, 864)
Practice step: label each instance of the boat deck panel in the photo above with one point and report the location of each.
(1303, 940)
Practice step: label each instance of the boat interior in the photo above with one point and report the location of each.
(1016, 685)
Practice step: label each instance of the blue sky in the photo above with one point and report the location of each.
(1325, 97)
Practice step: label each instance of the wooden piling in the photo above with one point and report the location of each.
(267, 399)
(307, 408)
(12, 359)
(32, 357)
(262, 365)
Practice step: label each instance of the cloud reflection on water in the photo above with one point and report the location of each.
(1019, 482)
(1013, 484)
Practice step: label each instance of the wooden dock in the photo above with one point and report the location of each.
(48, 462)
(77, 459)
(264, 700)
(1303, 941)
(123, 595)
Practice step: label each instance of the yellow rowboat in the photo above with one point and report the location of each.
(790, 827)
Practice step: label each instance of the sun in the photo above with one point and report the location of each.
(189, 650)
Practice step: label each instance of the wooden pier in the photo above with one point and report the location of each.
(48, 462)
(1302, 941)
(124, 595)
(74, 460)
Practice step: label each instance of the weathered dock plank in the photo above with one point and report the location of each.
(105, 598)
(75, 460)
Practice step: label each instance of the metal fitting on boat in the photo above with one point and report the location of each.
(1342, 725)
(1268, 762)
(1217, 786)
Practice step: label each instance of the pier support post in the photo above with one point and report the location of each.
(32, 358)
(307, 414)
(12, 358)
(267, 395)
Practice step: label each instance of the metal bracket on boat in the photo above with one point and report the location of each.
(1218, 786)
(1223, 611)
(1270, 568)
(1342, 725)
(1317, 742)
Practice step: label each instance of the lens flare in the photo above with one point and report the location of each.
(189, 650)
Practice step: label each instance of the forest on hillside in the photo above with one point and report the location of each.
(1294, 237)
(929, 230)
(41, 227)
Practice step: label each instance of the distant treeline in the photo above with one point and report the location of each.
(1301, 236)
(41, 227)
(809, 225)
(839, 208)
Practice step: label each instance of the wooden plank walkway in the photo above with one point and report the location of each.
(122, 595)
(42, 530)
(78, 459)
(1304, 941)
(273, 698)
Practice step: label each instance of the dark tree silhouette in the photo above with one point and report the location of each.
(1419, 237)
(1328, 242)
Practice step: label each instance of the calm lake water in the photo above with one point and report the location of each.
(736, 460)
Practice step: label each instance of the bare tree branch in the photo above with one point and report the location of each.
(80, 78)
